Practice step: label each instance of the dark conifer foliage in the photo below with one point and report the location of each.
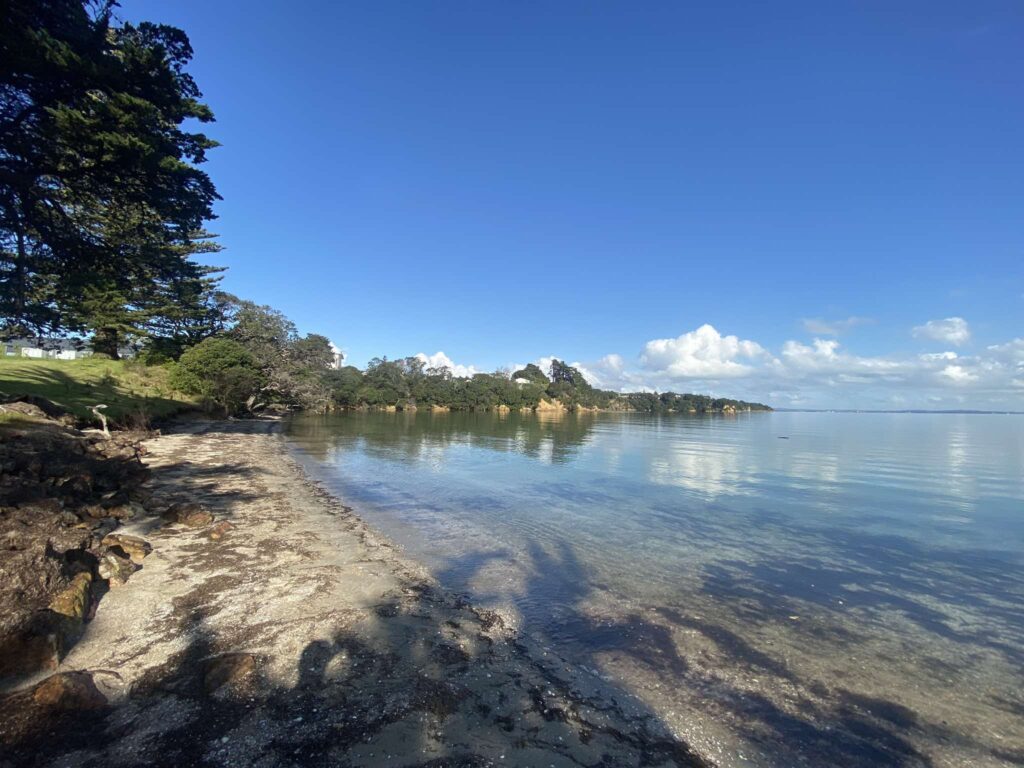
(102, 202)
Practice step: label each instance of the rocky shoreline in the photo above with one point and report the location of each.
(236, 614)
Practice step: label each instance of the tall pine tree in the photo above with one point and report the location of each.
(102, 202)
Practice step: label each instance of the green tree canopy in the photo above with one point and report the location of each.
(532, 373)
(102, 202)
(220, 371)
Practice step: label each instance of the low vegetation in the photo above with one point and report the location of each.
(133, 393)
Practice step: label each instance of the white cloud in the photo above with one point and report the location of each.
(822, 373)
(441, 360)
(610, 372)
(958, 374)
(1012, 351)
(952, 330)
(821, 327)
(823, 356)
(701, 354)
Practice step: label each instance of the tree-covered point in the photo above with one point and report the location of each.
(258, 359)
(670, 402)
(407, 383)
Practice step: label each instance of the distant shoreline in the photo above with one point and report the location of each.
(905, 410)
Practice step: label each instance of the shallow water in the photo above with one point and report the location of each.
(782, 589)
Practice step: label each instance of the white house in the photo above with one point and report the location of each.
(339, 357)
(50, 349)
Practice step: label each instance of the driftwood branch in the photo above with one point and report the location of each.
(97, 411)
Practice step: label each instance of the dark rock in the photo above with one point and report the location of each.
(28, 649)
(77, 486)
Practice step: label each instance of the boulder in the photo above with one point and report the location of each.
(134, 547)
(68, 691)
(73, 601)
(125, 511)
(218, 531)
(29, 650)
(116, 569)
(188, 513)
(76, 486)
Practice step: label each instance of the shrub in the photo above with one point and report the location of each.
(220, 371)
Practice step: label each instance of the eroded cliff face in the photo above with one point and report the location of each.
(549, 405)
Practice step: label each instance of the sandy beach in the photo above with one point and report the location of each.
(287, 632)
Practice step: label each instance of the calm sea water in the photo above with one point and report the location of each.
(781, 589)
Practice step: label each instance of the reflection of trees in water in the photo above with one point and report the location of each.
(549, 436)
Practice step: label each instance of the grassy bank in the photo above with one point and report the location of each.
(133, 393)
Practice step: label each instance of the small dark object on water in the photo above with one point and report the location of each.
(783, 437)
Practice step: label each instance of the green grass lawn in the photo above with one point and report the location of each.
(134, 393)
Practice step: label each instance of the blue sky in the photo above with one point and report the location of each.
(605, 182)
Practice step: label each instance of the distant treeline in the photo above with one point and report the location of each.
(670, 402)
(408, 383)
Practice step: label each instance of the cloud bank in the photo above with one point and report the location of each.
(822, 373)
